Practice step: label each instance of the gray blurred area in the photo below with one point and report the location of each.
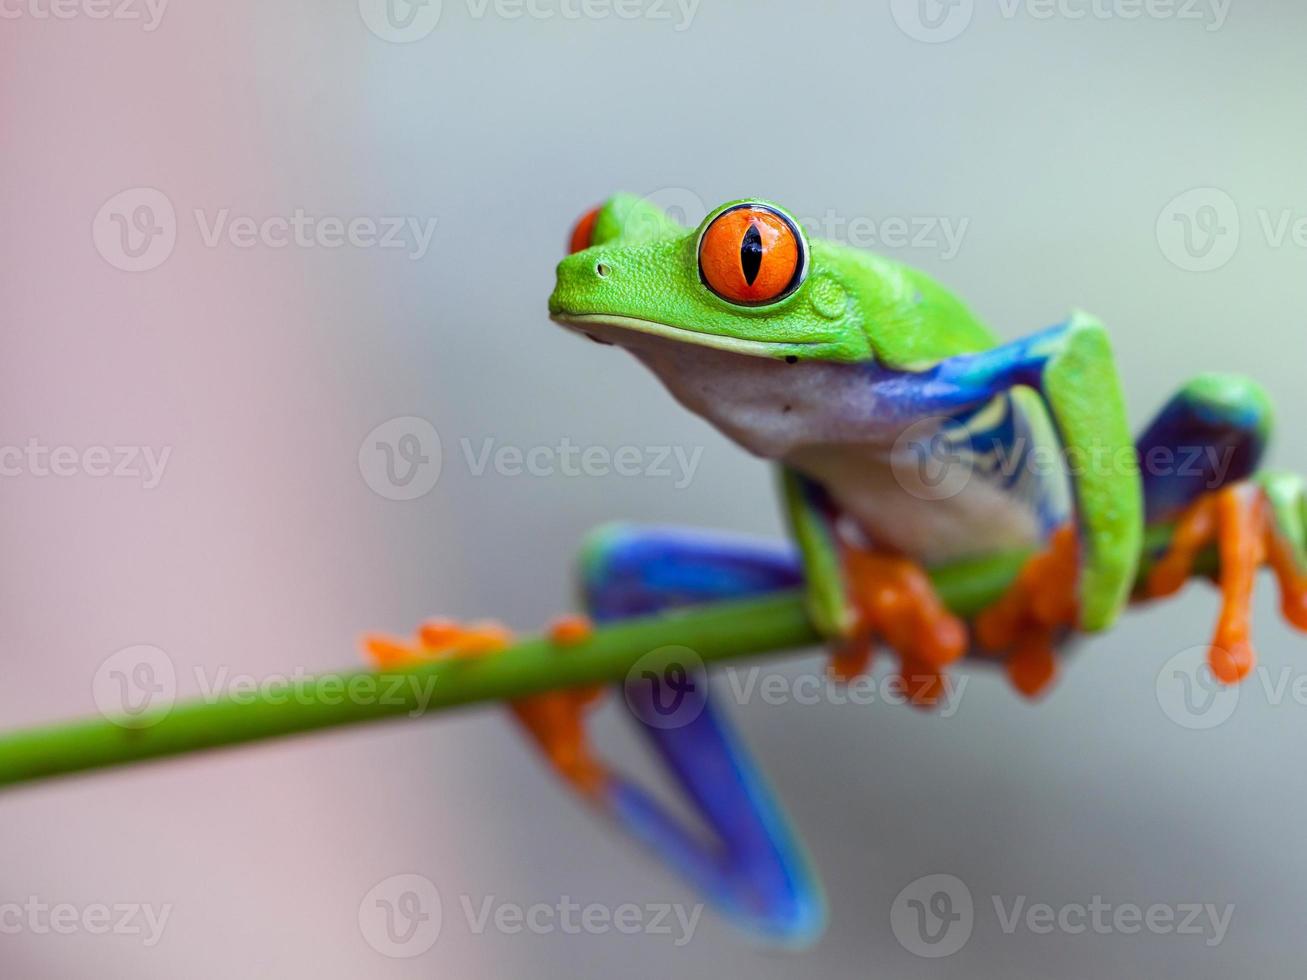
(1034, 163)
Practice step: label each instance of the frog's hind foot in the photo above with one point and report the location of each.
(436, 639)
(1251, 524)
(894, 601)
(1040, 606)
(555, 720)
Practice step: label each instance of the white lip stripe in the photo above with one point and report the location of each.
(755, 348)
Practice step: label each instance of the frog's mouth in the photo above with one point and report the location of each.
(609, 328)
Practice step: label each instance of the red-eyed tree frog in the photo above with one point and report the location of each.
(906, 436)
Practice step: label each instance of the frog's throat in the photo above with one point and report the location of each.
(586, 322)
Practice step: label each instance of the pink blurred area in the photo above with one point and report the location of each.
(252, 554)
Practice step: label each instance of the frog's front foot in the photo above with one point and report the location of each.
(1037, 609)
(555, 720)
(894, 601)
(1251, 524)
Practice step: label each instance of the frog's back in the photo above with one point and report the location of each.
(911, 320)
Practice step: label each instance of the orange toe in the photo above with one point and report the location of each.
(1292, 581)
(554, 720)
(896, 603)
(851, 659)
(1241, 540)
(923, 683)
(569, 630)
(1237, 519)
(437, 639)
(388, 652)
(1032, 665)
(1025, 622)
(895, 600)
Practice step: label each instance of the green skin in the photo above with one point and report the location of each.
(640, 279)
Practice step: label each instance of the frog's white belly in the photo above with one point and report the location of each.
(935, 519)
(863, 441)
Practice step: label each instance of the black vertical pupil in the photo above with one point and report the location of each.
(751, 254)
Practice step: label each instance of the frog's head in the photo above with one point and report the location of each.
(746, 280)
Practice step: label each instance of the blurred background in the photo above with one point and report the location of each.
(238, 238)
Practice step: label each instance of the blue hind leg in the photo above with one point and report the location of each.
(1211, 433)
(751, 864)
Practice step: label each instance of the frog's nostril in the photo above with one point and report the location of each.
(602, 270)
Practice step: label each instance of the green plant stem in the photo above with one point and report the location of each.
(715, 632)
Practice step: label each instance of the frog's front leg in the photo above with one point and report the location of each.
(857, 595)
(1085, 575)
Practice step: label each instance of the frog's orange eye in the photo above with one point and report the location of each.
(751, 255)
(583, 232)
